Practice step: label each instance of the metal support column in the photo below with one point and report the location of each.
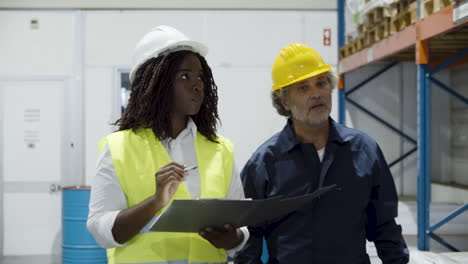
(424, 137)
(341, 42)
(425, 231)
(430, 229)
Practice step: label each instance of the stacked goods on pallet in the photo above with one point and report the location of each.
(407, 14)
(373, 20)
(377, 24)
(432, 6)
(381, 18)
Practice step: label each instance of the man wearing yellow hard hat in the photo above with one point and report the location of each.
(313, 151)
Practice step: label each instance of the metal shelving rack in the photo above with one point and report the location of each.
(446, 31)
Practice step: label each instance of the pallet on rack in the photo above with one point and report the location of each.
(343, 52)
(359, 43)
(354, 45)
(347, 50)
(378, 14)
(401, 6)
(378, 32)
(404, 18)
(361, 29)
(432, 6)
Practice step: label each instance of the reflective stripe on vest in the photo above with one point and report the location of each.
(136, 157)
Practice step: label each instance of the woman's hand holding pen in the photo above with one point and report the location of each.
(131, 220)
(168, 179)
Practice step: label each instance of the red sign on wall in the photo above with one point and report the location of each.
(327, 36)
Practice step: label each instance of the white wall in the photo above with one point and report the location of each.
(164, 4)
(49, 52)
(85, 49)
(243, 46)
(38, 71)
(45, 51)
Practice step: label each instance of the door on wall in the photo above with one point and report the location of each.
(31, 130)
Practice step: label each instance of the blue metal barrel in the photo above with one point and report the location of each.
(78, 245)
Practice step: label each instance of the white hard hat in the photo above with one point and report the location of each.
(162, 40)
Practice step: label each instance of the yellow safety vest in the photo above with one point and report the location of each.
(136, 157)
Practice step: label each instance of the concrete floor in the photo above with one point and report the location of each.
(460, 242)
(455, 232)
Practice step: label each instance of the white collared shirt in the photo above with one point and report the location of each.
(108, 199)
(321, 153)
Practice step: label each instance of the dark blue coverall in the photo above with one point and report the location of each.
(333, 228)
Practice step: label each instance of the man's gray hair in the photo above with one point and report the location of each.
(282, 94)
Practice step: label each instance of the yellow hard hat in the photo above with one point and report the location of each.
(296, 62)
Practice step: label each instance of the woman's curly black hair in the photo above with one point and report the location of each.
(152, 94)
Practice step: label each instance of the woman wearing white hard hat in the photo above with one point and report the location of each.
(168, 126)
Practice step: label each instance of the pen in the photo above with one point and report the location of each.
(190, 168)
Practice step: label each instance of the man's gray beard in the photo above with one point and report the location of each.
(315, 122)
(311, 122)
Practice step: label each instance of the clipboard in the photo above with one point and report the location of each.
(194, 215)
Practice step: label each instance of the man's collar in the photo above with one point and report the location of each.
(289, 140)
(287, 137)
(337, 133)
